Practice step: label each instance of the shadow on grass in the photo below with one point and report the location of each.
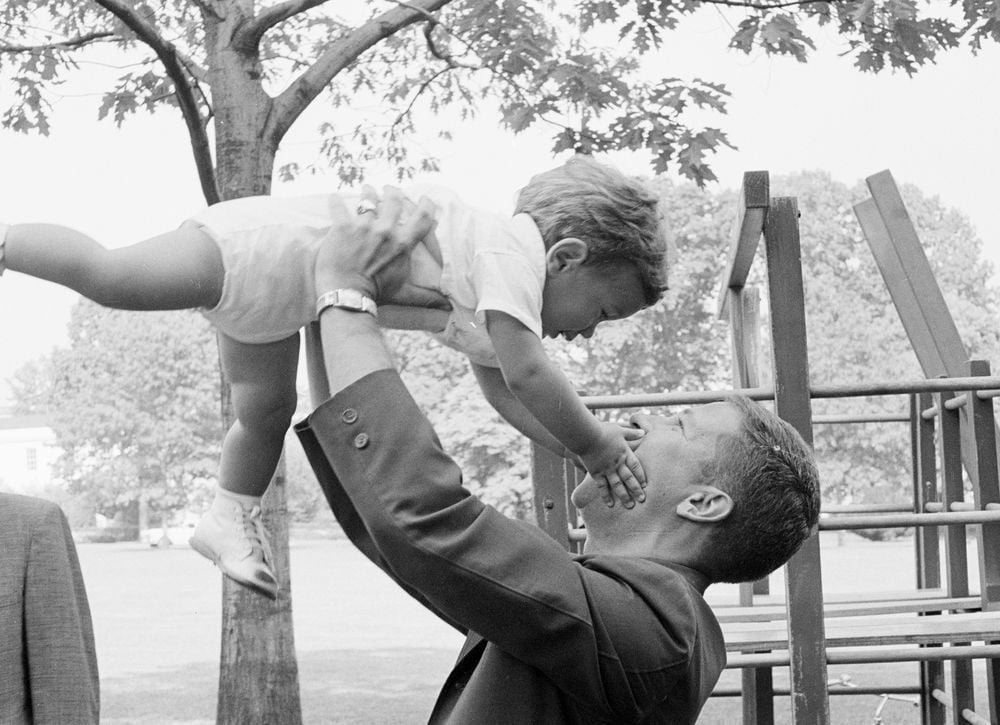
(370, 687)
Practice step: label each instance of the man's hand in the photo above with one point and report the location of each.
(372, 254)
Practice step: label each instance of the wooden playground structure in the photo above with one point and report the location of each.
(947, 621)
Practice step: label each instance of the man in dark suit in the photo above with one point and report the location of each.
(619, 634)
(48, 665)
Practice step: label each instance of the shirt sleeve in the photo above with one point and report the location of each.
(508, 273)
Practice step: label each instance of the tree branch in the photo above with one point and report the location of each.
(150, 35)
(780, 4)
(249, 35)
(303, 90)
(69, 44)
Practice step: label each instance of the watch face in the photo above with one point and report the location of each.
(349, 298)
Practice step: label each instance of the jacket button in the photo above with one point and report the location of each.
(361, 440)
(349, 416)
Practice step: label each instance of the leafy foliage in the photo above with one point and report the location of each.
(134, 405)
(383, 66)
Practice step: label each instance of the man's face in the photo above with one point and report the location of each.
(576, 300)
(673, 453)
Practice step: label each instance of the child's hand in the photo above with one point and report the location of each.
(615, 467)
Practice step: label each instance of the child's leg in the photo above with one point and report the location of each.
(262, 381)
(177, 270)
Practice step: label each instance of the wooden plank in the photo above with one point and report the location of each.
(978, 434)
(551, 504)
(916, 294)
(903, 295)
(753, 200)
(953, 491)
(757, 683)
(775, 612)
(848, 655)
(803, 574)
(873, 632)
(926, 543)
(986, 490)
(930, 301)
(925, 490)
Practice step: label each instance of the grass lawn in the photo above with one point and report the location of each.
(367, 653)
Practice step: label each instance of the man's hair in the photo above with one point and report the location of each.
(770, 473)
(616, 215)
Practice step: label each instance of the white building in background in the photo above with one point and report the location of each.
(28, 453)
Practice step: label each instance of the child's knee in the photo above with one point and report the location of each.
(265, 408)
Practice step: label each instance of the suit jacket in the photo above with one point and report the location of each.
(48, 664)
(551, 638)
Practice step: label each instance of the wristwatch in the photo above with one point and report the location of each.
(347, 299)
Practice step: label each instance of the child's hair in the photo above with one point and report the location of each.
(617, 216)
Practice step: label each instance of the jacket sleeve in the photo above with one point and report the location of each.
(59, 635)
(347, 516)
(505, 580)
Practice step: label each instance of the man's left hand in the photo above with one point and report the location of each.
(372, 254)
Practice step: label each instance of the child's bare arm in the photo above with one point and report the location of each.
(548, 395)
(496, 392)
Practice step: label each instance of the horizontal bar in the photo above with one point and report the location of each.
(886, 387)
(873, 655)
(987, 394)
(834, 689)
(889, 521)
(842, 520)
(933, 507)
(957, 402)
(863, 418)
(861, 508)
(968, 715)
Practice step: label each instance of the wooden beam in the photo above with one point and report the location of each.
(753, 200)
(803, 573)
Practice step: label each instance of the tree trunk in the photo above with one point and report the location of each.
(258, 672)
(259, 676)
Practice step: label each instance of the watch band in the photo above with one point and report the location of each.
(346, 299)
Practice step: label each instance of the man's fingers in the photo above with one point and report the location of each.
(416, 228)
(389, 210)
(415, 296)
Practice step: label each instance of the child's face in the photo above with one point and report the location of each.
(576, 299)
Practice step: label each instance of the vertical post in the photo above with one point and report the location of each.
(803, 574)
(986, 490)
(744, 320)
(927, 543)
(551, 502)
(950, 443)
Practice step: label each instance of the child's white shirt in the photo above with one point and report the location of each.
(269, 244)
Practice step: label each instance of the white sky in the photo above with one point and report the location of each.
(939, 130)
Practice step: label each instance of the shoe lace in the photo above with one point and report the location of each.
(253, 528)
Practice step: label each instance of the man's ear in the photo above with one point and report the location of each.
(708, 505)
(565, 254)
